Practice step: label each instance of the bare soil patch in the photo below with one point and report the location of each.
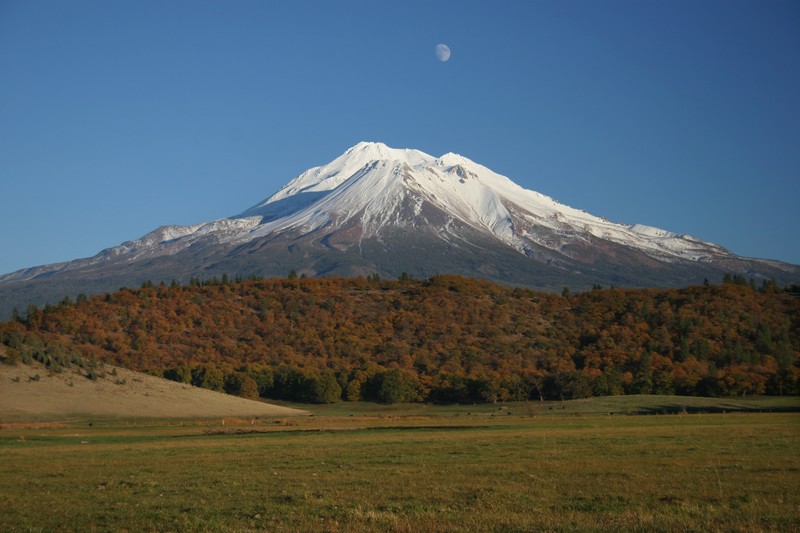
(32, 392)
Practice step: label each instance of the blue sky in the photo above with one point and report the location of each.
(117, 117)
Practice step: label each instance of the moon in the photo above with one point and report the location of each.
(442, 52)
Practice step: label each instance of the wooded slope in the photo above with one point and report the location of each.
(447, 338)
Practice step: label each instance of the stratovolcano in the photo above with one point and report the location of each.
(386, 211)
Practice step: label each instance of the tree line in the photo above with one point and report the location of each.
(443, 339)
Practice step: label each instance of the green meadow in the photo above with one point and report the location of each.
(594, 465)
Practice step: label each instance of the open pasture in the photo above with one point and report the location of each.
(420, 468)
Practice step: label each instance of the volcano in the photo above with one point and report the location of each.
(386, 211)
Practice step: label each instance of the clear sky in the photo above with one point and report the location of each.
(119, 116)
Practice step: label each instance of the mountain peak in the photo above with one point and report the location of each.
(365, 146)
(377, 151)
(451, 159)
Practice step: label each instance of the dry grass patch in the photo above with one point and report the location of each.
(31, 392)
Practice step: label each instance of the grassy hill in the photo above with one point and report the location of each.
(32, 392)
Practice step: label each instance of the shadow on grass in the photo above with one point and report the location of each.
(674, 409)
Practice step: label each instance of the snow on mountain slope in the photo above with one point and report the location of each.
(374, 182)
(174, 238)
(166, 240)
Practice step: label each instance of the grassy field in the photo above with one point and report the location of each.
(361, 467)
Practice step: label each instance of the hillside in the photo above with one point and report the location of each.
(447, 339)
(32, 391)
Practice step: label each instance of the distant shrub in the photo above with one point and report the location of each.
(248, 388)
(12, 357)
(306, 385)
(394, 386)
(241, 384)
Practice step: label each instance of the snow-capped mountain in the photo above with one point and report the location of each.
(377, 209)
(381, 187)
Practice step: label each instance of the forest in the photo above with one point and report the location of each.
(446, 339)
